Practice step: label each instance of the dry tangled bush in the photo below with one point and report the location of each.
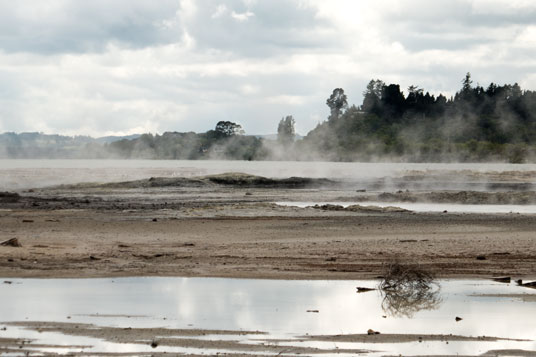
(407, 289)
(406, 276)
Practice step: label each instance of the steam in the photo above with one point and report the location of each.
(477, 125)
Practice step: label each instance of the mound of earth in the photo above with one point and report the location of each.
(244, 180)
(227, 179)
(359, 208)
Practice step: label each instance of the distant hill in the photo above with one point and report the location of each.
(214, 144)
(40, 137)
(36, 145)
(111, 139)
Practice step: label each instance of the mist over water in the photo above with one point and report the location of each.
(24, 174)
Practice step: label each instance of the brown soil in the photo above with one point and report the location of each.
(261, 242)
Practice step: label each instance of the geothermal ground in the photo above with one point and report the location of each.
(230, 226)
(244, 226)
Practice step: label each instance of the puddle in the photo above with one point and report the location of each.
(227, 314)
(429, 207)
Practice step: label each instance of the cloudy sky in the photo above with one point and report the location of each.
(116, 67)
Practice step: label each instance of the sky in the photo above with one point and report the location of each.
(119, 67)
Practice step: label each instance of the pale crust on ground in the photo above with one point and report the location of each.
(302, 244)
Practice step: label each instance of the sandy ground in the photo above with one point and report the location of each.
(87, 243)
(221, 231)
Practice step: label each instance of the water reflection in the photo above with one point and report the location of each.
(278, 308)
(408, 288)
(407, 302)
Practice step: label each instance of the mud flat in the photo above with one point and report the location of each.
(229, 226)
(257, 241)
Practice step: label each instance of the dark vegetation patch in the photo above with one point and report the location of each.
(9, 197)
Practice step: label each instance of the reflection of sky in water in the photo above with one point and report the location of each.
(428, 207)
(274, 306)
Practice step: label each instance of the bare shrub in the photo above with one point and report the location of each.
(406, 276)
(407, 289)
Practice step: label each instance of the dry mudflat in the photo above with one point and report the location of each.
(230, 226)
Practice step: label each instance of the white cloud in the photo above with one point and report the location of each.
(248, 89)
(221, 10)
(242, 16)
(526, 37)
(99, 67)
(286, 100)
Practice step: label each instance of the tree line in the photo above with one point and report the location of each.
(495, 123)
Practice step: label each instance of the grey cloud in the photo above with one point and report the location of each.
(272, 27)
(439, 14)
(419, 41)
(207, 103)
(10, 85)
(253, 28)
(452, 24)
(58, 26)
(11, 91)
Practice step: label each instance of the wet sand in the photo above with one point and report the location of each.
(162, 337)
(254, 344)
(197, 338)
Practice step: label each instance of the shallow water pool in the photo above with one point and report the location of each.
(286, 311)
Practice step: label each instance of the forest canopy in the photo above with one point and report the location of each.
(496, 123)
